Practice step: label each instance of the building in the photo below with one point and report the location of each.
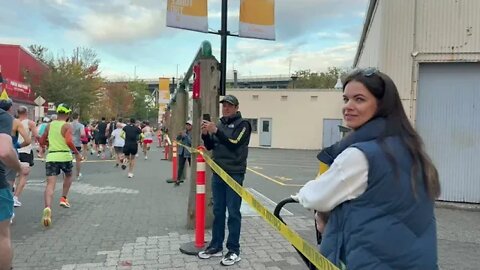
(431, 49)
(18, 68)
(292, 119)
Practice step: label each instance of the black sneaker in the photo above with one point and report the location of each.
(230, 259)
(210, 252)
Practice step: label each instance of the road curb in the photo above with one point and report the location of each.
(458, 206)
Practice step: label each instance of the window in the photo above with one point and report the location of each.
(254, 123)
(255, 97)
(313, 98)
(283, 98)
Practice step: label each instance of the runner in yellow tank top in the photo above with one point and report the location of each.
(59, 158)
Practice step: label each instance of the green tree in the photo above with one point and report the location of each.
(309, 79)
(74, 79)
(144, 106)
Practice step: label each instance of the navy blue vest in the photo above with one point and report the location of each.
(387, 227)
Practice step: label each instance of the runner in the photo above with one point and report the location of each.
(41, 130)
(102, 137)
(59, 158)
(148, 134)
(25, 153)
(112, 125)
(6, 104)
(131, 134)
(85, 139)
(8, 157)
(94, 149)
(78, 131)
(118, 142)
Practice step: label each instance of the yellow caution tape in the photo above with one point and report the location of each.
(291, 236)
(168, 140)
(322, 168)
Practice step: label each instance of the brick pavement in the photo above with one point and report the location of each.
(118, 223)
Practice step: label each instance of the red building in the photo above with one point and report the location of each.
(17, 65)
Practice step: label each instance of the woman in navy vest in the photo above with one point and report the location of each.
(381, 185)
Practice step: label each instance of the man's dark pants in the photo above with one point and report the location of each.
(181, 166)
(225, 198)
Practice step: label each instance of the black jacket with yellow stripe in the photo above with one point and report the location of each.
(230, 143)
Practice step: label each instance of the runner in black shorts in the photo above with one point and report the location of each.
(102, 137)
(130, 149)
(27, 158)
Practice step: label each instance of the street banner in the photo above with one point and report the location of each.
(163, 91)
(257, 19)
(188, 14)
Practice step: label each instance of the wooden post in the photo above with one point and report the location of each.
(207, 104)
(179, 114)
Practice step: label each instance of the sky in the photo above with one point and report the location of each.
(130, 37)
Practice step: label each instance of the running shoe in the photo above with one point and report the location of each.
(210, 252)
(64, 202)
(79, 177)
(146, 157)
(230, 259)
(47, 217)
(124, 166)
(16, 202)
(11, 219)
(130, 175)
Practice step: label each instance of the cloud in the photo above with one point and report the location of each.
(317, 61)
(333, 35)
(123, 24)
(300, 17)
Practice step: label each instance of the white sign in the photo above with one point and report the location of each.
(39, 101)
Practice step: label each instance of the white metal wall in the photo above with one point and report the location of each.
(448, 109)
(370, 55)
(448, 26)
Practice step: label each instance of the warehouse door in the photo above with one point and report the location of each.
(266, 132)
(448, 119)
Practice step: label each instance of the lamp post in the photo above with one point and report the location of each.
(294, 78)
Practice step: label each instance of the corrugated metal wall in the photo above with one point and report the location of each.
(399, 23)
(448, 108)
(370, 56)
(446, 26)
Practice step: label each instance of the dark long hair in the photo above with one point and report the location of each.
(397, 124)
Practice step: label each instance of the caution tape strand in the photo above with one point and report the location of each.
(291, 236)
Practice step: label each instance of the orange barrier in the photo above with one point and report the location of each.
(200, 202)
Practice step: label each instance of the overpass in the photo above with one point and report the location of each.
(270, 82)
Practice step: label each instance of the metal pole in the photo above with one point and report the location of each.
(223, 56)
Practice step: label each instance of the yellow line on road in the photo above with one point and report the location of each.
(273, 180)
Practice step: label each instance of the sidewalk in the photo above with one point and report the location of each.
(120, 223)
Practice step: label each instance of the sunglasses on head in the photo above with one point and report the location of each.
(368, 72)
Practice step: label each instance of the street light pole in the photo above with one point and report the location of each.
(223, 57)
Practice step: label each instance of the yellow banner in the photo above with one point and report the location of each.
(163, 90)
(257, 19)
(188, 14)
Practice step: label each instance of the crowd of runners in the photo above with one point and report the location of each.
(62, 141)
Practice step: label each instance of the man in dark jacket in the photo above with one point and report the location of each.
(185, 138)
(229, 140)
